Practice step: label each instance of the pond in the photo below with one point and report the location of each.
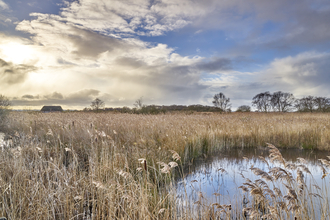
(217, 180)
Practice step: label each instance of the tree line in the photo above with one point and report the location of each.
(156, 109)
(286, 102)
(262, 102)
(277, 102)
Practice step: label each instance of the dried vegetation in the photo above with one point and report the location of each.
(121, 166)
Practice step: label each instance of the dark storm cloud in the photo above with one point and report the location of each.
(130, 62)
(311, 26)
(82, 97)
(218, 88)
(83, 94)
(174, 81)
(307, 27)
(238, 91)
(61, 61)
(279, 24)
(215, 64)
(92, 44)
(14, 74)
(30, 97)
(163, 82)
(54, 96)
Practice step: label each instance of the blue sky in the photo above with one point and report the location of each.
(168, 52)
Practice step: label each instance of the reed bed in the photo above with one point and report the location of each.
(123, 166)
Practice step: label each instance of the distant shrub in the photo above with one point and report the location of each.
(244, 108)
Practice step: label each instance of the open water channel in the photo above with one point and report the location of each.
(217, 179)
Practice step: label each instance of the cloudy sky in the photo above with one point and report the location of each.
(58, 52)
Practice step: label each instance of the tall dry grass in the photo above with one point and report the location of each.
(286, 190)
(119, 166)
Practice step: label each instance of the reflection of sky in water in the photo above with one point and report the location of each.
(222, 187)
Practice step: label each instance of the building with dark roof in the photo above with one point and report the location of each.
(51, 109)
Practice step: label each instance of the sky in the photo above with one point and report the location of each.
(69, 52)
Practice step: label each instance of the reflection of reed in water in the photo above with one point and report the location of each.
(238, 155)
(271, 186)
(283, 192)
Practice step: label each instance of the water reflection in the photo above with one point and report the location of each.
(217, 179)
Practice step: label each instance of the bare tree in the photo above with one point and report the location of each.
(282, 101)
(306, 104)
(322, 104)
(139, 103)
(262, 101)
(220, 101)
(97, 104)
(298, 104)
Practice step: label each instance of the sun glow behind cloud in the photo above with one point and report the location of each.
(18, 53)
(119, 51)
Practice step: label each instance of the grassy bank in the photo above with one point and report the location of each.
(115, 166)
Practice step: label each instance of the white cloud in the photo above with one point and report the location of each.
(69, 59)
(299, 21)
(3, 5)
(91, 46)
(303, 74)
(133, 17)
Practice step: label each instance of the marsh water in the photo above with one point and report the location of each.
(217, 179)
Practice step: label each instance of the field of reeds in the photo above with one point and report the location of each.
(123, 166)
